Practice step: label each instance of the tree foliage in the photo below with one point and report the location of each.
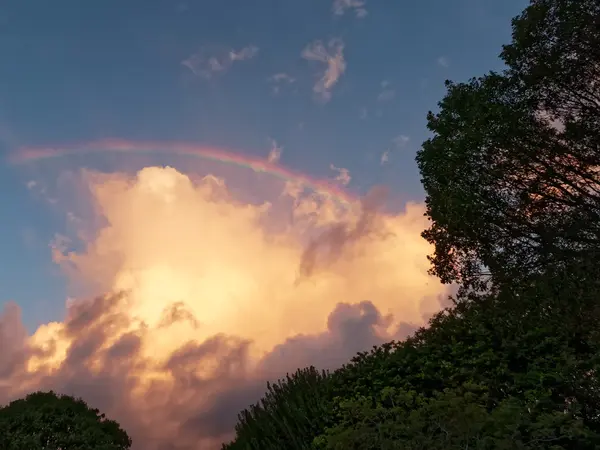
(511, 171)
(46, 421)
(555, 55)
(523, 361)
(517, 350)
(290, 413)
(454, 419)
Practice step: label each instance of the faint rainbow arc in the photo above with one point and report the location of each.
(31, 154)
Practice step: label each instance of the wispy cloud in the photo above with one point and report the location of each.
(343, 175)
(244, 54)
(358, 6)
(280, 79)
(387, 92)
(40, 190)
(401, 140)
(385, 157)
(210, 61)
(398, 142)
(443, 61)
(333, 56)
(274, 152)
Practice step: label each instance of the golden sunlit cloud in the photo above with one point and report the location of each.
(202, 297)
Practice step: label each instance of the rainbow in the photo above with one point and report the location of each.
(31, 154)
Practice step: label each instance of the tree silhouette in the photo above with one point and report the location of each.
(47, 421)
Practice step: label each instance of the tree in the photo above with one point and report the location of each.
(288, 417)
(512, 171)
(47, 421)
(519, 365)
(555, 55)
(454, 419)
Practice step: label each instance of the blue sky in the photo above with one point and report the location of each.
(231, 74)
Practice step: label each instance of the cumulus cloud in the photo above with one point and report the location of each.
(332, 56)
(213, 60)
(203, 296)
(358, 6)
(274, 152)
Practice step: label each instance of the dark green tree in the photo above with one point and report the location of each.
(288, 417)
(554, 55)
(512, 170)
(47, 421)
(518, 366)
(455, 419)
